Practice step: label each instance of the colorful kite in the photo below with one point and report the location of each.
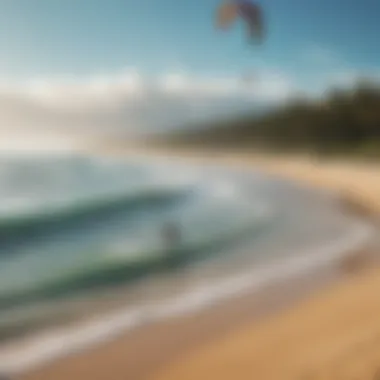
(250, 12)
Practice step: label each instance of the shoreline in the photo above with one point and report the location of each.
(196, 330)
(138, 354)
(280, 286)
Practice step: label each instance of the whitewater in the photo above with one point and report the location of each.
(82, 257)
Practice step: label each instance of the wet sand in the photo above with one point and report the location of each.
(302, 336)
(142, 352)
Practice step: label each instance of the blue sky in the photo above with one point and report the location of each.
(80, 36)
(132, 65)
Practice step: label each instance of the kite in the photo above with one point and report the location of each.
(248, 11)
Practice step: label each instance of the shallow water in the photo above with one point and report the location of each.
(96, 250)
(87, 224)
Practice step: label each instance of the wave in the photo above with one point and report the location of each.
(99, 242)
(14, 229)
(122, 263)
(60, 342)
(67, 192)
(213, 215)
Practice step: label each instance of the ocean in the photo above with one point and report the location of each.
(83, 254)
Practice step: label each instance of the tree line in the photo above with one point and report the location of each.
(344, 121)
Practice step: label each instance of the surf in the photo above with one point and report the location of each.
(81, 243)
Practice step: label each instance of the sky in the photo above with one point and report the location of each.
(121, 66)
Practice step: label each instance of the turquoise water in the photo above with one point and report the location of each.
(71, 226)
(83, 258)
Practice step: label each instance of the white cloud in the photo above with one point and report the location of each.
(127, 102)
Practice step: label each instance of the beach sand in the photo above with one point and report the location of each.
(333, 334)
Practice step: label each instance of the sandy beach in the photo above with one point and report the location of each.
(333, 334)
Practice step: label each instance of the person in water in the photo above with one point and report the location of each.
(171, 234)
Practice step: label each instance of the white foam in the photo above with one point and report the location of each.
(41, 349)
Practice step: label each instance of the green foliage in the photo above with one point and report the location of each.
(344, 122)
